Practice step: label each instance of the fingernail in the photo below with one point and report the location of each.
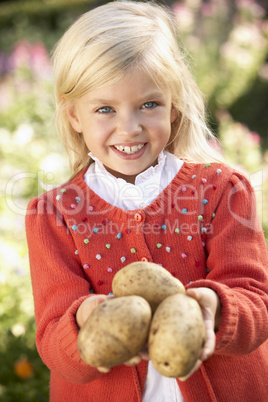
(135, 360)
(104, 370)
(182, 379)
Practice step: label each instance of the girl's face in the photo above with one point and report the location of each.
(125, 125)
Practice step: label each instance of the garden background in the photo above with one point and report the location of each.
(228, 53)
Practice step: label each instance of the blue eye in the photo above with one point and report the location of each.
(149, 105)
(105, 110)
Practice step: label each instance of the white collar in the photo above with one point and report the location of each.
(148, 184)
(148, 174)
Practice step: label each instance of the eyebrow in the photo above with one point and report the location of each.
(150, 95)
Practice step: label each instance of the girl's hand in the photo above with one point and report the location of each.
(88, 306)
(210, 306)
(211, 309)
(84, 312)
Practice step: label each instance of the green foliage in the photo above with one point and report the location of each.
(17, 331)
(228, 43)
(228, 49)
(13, 388)
(39, 20)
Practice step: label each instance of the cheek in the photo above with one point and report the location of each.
(96, 136)
(163, 126)
(100, 128)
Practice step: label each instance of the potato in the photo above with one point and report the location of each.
(177, 335)
(115, 331)
(147, 280)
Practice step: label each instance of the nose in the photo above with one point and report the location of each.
(129, 124)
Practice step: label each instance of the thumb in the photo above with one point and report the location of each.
(193, 293)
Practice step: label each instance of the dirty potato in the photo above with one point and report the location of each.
(115, 331)
(148, 280)
(177, 335)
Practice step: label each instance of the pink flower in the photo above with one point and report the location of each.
(32, 56)
(21, 55)
(255, 138)
(40, 61)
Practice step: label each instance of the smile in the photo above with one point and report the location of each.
(129, 150)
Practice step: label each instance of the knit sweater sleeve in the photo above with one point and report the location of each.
(237, 263)
(59, 287)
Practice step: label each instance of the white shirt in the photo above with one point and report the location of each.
(116, 191)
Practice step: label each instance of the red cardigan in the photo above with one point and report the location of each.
(203, 228)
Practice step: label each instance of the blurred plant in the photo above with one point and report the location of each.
(241, 148)
(23, 368)
(38, 21)
(30, 154)
(28, 141)
(32, 60)
(227, 39)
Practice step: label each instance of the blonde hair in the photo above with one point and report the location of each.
(110, 40)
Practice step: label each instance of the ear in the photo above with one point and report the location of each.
(173, 114)
(73, 117)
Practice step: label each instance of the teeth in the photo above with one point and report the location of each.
(129, 150)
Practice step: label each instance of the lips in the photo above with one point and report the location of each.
(129, 150)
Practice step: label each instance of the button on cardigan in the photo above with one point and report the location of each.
(203, 228)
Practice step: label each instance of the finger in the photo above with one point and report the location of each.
(199, 296)
(210, 343)
(93, 301)
(204, 301)
(98, 299)
(209, 346)
(144, 355)
(194, 369)
(205, 298)
(103, 369)
(133, 361)
(88, 306)
(191, 292)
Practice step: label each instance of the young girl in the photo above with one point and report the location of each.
(146, 186)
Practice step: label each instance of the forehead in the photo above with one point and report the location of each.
(135, 84)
